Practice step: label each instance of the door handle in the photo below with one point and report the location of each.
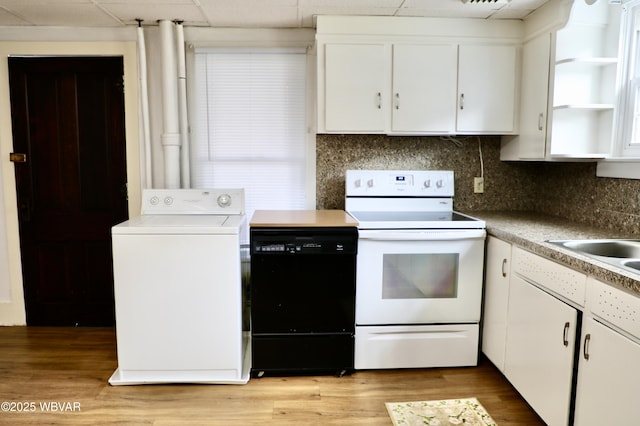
(504, 263)
(540, 118)
(462, 101)
(565, 334)
(585, 349)
(16, 157)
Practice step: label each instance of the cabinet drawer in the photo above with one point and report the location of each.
(615, 306)
(557, 278)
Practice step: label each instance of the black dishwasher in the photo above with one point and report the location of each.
(303, 300)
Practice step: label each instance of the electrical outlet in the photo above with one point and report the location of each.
(478, 185)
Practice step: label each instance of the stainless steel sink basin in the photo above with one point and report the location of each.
(624, 249)
(622, 253)
(634, 264)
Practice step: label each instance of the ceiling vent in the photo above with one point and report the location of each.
(487, 1)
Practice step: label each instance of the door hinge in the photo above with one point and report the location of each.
(15, 157)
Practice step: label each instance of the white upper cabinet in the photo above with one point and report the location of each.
(357, 94)
(421, 76)
(486, 88)
(577, 73)
(535, 95)
(424, 88)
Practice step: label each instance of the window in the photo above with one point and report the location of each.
(626, 148)
(249, 126)
(629, 127)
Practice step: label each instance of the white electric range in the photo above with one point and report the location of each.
(419, 270)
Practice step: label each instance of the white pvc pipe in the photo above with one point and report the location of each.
(182, 105)
(144, 97)
(170, 136)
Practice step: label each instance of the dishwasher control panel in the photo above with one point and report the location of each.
(270, 242)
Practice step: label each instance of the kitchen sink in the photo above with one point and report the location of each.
(622, 253)
(624, 249)
(635, 264)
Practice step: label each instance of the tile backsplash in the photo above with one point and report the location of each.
(569, 190)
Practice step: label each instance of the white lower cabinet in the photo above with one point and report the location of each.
(573, 368)
(496, 300)
(608, 378)
(609, 369)
(540, 350)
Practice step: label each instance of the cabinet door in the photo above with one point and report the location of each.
(424, 88)
(496, 300)
(356, 88)
(608, 381)
(534, 97)
(486, 88)
(540, 350)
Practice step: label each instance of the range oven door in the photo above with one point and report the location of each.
(419, 276)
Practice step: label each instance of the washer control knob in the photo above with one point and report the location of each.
(168, 200)
(224, 200)
(427, 183)
(370, 183)
(439, 183)
(154, 200)
(357, 183)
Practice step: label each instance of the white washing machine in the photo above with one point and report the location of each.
(178, 290)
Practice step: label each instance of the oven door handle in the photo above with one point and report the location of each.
(421, 235)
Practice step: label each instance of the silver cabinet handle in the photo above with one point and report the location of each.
(461, 100)
(540, 119)
(397, 100)
(379, 100)
(565, 334)
(504, 263)
(585, 349)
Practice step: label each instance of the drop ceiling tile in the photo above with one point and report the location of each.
(352, 4)
(251, 13)
(129, 12)
(10, 19)
(147, 2)
(444, 13)
(64, 14)
(508, 13)
(309, 9)
(239, 13)
(309, 14)
(516, 9)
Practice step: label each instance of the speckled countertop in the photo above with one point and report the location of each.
(532, 230)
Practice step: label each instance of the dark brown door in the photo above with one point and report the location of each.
(68, 118)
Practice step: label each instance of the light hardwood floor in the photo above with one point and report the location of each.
(72, 365)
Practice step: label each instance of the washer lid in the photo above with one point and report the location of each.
(164, 224)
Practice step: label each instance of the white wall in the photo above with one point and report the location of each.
(57, 41)
(107, 41)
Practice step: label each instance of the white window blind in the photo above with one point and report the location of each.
(249, 126)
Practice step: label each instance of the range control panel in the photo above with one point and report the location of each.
(405, 183)
(193, 201)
